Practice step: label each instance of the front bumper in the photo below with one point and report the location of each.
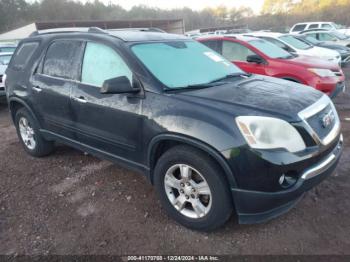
(257, 207)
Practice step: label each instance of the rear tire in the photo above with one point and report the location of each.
(203, 202)
(29, 135)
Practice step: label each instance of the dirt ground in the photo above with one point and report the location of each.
(71, 203)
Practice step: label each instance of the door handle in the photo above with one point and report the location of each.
(80, 99)
(37, 89)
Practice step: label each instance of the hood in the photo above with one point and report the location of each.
(257, 95)
(322, 52)
(313, 62)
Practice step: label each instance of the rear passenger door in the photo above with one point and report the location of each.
(53, 82)
(108, 122)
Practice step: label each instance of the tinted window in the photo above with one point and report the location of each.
(5, 59)
(7, 49)
(298, 28)
(23, 55)
(269, 49)
(326, 26)
(63, 59)
(179, 64)
(294, 42)
(215, 45)
(312, 26)
(106, 65)
(235, 52)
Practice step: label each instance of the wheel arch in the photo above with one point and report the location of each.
(155, 146)
(16, 103)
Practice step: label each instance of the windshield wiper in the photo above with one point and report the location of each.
(241, 74)
(215, 82)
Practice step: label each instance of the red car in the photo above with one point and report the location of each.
(258, 56)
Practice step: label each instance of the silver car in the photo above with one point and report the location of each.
(329, 36)
(4, 61)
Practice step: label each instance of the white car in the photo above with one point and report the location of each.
(4, 61)
(295, 46)
(297, 28)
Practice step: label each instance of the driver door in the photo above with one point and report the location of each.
(110, 123)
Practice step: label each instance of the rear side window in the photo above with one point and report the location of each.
(313, 26)
(23, 55)
(215, 45)
(298, 28)
(7, 49)
(63, 59)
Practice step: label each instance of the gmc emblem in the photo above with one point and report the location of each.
(327, 119)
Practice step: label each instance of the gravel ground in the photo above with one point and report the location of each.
(71, 203)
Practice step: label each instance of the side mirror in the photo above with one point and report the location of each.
(255, 59)
(118, 85)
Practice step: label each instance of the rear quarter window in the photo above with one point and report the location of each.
(22, 55)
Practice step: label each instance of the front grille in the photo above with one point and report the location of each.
(321, 121)
(317, 122)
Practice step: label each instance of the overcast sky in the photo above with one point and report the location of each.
(193, 4)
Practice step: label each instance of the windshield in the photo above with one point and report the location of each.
(270, 49)
(5, 59)
(182, 64)
(296, 43)
(339, 35)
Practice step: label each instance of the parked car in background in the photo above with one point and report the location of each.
(7, 47)
(297, 28)
(258, 56)
(4, 61)
(342, 50)
(211, 138)
(293, 45)
(328, 36)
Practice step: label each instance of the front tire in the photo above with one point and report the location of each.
(192, 188)
(29, 135)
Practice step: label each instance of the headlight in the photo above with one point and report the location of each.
(322, 72)
(270, 133)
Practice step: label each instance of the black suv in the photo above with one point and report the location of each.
(211, 138)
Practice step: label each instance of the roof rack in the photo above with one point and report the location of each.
(142, 29)
(95, 30)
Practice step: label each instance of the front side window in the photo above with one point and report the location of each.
(270, 49)
(279, 44)
(63, 59)
(235, 51)
(326, 37)
(180, 64)
(102, 63)
(294, 42)
(313, 26)
(5, 59)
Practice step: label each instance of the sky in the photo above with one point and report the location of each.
(193, 4)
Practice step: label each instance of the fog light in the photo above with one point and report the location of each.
(287, 180)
